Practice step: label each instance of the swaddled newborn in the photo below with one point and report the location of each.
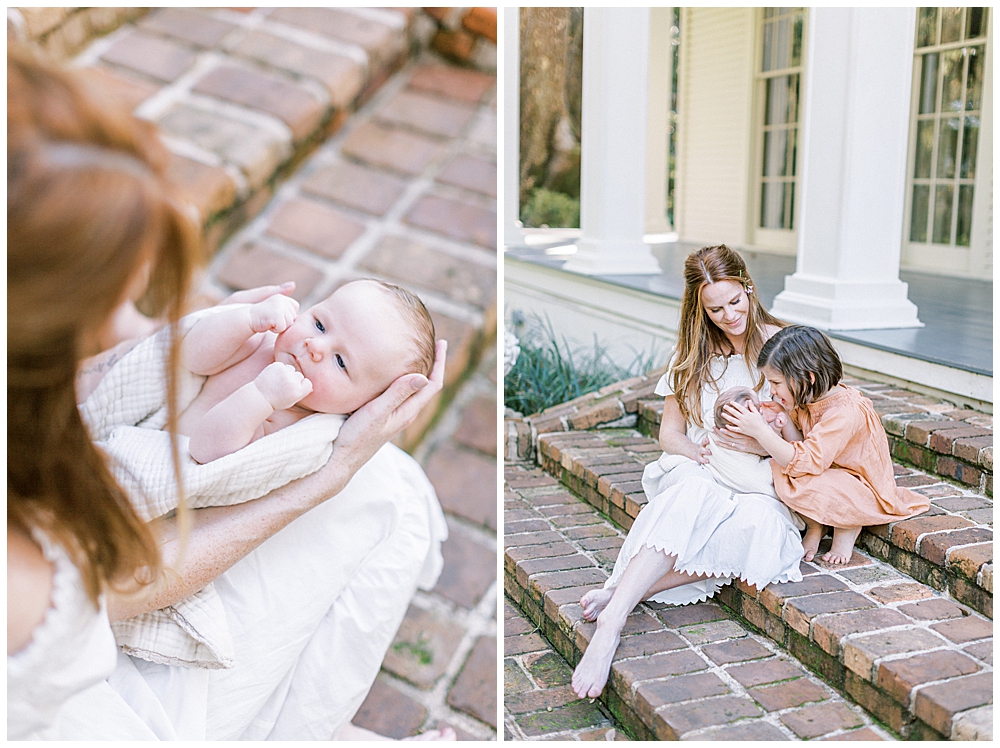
(741, 471)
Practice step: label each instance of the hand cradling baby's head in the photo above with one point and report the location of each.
(772, 412)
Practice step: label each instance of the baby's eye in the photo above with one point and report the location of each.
(319, 326)
(340, 361)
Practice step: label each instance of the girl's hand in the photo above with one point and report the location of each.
(745, 420)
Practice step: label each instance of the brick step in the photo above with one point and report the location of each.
(947, 547)
(943, 453)
(753, 664)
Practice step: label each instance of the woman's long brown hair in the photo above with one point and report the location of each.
(87, 207)
(699, 339)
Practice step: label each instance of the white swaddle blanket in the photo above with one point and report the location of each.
(126, 414)
(740, 471)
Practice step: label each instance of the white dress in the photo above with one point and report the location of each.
(312, 612)
(709, 527)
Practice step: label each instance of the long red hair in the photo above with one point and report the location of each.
(699, 339)
(88, 207)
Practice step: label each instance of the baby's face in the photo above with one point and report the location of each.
(774, 415)
(351, 346)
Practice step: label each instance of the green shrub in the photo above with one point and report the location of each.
(549, 372)
(552, 209)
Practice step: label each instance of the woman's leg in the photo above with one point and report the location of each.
(644, 570)
(596, 601)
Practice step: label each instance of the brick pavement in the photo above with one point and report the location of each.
(900, 632)
(320, 145)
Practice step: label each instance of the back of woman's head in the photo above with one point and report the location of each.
(88, 209)
(698, 338)
(806, 360)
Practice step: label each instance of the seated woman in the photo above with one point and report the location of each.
(314, 577)
(696, 534)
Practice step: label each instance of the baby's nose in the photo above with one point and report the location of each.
(315, 349)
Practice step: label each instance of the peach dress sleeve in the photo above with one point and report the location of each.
(841, 472)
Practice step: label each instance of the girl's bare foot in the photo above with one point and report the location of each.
(810, 541)
(594, 602)
(592, 672)
(843, 545)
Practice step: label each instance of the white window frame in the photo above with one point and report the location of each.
(784, 241)
(975, 260)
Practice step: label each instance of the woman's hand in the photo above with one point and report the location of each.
(673, 434)
(739, 442)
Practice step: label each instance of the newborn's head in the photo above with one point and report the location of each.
(772, 412)
(356, 342)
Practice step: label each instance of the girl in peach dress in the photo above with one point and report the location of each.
(840, 474)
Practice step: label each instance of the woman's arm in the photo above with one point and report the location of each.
(673, 434)
(221, 536)
(29, 589)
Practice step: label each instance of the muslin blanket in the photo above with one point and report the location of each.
(126, 414)
(740, 471)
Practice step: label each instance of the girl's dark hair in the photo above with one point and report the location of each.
(798, 351)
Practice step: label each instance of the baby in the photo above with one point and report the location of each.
(269, 366)
(742, 471)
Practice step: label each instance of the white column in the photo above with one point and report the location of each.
(613, 147)
(856, 112)
(511, 30)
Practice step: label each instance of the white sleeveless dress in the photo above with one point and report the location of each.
(312, 612)
(709, 527)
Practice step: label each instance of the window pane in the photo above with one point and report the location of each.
(765, 63)
(797, 42)
(783, 43)
(790, 191)
(928, 83)
(925, 149)
(918, 213)
(926, 26)
(776, 109)
(974, 84)
(970, 143)
(951, 91)
(942, 214)
(964, 229)
(770, 12)
(772, 205)
(975, 22)
(951, 25)
(793, 147)
(775, 153)
(947, 144)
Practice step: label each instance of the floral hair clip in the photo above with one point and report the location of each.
(746, 285)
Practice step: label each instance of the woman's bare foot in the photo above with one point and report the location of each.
(810, 541)
(843, 545)
(353, 732)
(594, 602)
(592, 672)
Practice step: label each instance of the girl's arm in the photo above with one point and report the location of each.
(221, 536)
(673, 434)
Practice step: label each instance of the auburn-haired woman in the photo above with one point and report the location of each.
(90, 219)
(695, 535)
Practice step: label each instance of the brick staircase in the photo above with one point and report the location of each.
(896, 644)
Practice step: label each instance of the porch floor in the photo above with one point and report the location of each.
(957, 312)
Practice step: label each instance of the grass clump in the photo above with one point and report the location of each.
(549, 209)
(549, 371)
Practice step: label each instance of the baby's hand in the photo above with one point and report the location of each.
(746, 420)
(282, 385)
(275, 313)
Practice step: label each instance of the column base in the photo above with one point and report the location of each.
(605, 257)
(831, 304)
